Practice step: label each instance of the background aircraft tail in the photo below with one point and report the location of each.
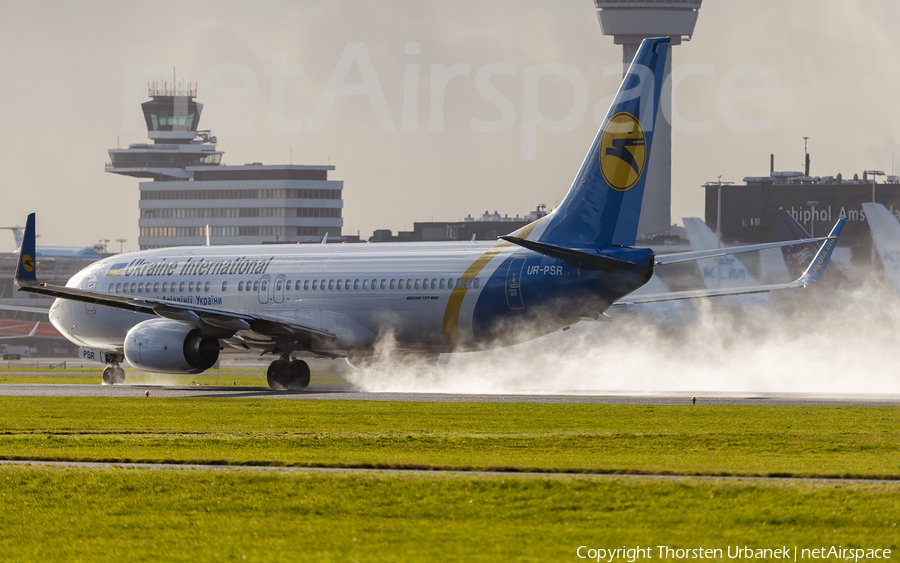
(886, 236)
(603, 204)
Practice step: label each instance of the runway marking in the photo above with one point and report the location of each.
(438, 471)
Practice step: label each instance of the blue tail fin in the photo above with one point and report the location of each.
(25, 270)
(604, 203)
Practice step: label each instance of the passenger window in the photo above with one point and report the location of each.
(240, 286)
(408, 283)
(141, 287)
(297, 285)
(205, 287)
(181, 287)
(118, 287)
(339, 285)
(355, 284)
(347, 284)
(224, 286)
(382, 283)
(315, 284)
(442, 283)
(322, 285)
(433, 283)
(365, 284)
(468, 282)
(156, 287)
(256, 286)
(330, 284)
(392, 284)
(287, 285)
(306, 285)
(477, 282)
(190, 287)
(112, 287)
(459, 283)
(278, 285)
(165, 285)
(417, 283)
(265, 284)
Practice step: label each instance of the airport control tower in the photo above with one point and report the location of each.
(630, 22)
(172, 118)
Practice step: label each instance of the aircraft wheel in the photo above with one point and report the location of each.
(118, 375)
(299, 371)
(277, 374)
(108, 377)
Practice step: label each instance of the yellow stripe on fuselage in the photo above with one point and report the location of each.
(454, 304)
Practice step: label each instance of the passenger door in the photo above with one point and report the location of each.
(514, 284)
(278, 295)
(264, 288)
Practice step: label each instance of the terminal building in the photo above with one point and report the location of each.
(816, 202)
(188, 194)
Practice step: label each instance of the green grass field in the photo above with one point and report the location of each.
(54, 514)
(70, 514)
(703, 440)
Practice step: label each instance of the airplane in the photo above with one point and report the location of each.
(173, 310)
(886, 237)
(53, 251)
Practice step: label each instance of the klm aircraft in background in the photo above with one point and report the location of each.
(172, 310)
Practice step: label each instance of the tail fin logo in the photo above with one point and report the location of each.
(623, 151)
(27, 263)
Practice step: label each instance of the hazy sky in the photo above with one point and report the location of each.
(825, 69)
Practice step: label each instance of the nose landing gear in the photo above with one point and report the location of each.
(288, 374)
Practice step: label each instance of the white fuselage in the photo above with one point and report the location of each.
(424, 294)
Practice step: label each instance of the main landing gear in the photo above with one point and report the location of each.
(113, 375)
(288, 374)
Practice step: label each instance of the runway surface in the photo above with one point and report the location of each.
(595, 397)
(270, 468)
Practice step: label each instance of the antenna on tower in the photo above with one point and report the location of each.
(805, 157)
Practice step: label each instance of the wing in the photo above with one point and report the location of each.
(33, 330)
(25, 309)
(812, 274)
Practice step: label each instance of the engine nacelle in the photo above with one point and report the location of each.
(166, 346)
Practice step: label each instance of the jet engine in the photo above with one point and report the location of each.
(167, 346)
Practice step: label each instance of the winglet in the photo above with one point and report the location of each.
(817, 267)
(26, 275)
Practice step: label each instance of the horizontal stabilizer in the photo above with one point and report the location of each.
(812, 274)
(713, 253)
(574, 258)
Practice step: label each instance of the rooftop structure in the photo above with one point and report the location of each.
(816, 202)
(630, 22)
(172, 117)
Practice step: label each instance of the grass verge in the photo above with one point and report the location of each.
(708, 440)
(57, 514)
